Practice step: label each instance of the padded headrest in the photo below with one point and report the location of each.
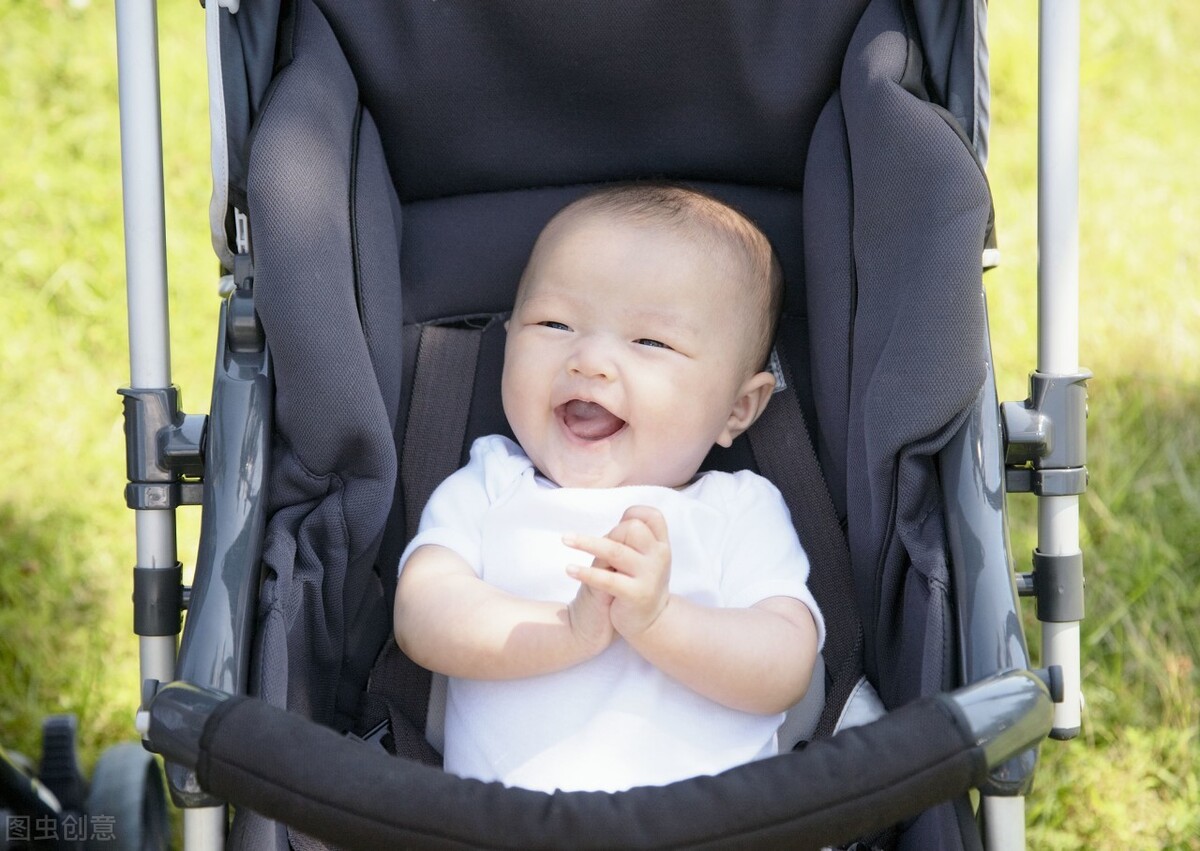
(477, 97)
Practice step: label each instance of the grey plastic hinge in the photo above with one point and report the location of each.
(1058, 587)
(181, 446)
(243, 331)
(162, 444)
(1045, 437)
(147, 413)
(1026, 431)
(1053, 678)
(1046, 482)
(160, 496)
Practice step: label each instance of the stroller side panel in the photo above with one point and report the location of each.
(987, 618)
(921, 210)
(905, 298)
(326, 263)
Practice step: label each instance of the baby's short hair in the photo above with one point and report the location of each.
(680, 207)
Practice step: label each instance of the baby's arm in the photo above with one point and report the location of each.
(758, 659)
(450, 621)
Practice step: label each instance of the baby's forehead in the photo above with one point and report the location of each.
(696, 237)
(661, 306)
(572, 236)
(601, 219)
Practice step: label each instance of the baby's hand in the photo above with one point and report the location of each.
(591, 624)
(633, 565)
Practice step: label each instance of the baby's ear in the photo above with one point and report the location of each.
(751, 401)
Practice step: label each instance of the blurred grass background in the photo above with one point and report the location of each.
(66, 540)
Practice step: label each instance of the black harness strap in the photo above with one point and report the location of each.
(437, 414)
(784, 451)
(434, 433)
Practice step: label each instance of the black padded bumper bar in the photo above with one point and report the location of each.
(354, 795)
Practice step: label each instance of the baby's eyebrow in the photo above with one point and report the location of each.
(659, 318)
(541, 299)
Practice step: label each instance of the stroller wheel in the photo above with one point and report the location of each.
(127, 792)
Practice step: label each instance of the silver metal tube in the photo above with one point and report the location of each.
(145, 269)
(1058, 534)
(1058, 187)
(155, 538)
(142, 185)
(1058, 296)
(156, 547)
(1003, 823)
(204, 828)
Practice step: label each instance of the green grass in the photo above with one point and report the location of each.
(66, 543)
(66, 540)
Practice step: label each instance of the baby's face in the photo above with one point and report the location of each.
(626, 355)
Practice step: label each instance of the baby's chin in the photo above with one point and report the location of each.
(571, 477)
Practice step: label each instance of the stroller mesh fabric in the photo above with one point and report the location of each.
(435, 161)
(921, 209)
(899, 325)
(334, 460)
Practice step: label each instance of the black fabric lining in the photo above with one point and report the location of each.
(915, 77)
(285, 42)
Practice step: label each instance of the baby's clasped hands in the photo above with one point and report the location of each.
(632, 566)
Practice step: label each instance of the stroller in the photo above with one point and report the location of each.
(381, 170)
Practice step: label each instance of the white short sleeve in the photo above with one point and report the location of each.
(762, 555)
(453, 517)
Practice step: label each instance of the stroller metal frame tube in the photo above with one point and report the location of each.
(1003, 822)
(146, 269)
(1058, 298)
(156, 548)
(1058, 187)
(205, 828)
(142, 187)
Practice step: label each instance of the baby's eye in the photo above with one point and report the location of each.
(654, 344)
(557, 326)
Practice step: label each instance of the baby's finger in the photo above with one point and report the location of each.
(637, 535)
(598, 578)
(651, 517)
(605, 549)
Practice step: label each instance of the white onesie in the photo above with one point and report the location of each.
(615, 721)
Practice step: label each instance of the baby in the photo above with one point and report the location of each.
(637, 341)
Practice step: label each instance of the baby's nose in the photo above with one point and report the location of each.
(592, 358)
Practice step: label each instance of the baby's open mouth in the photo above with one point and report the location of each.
(588, 420)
